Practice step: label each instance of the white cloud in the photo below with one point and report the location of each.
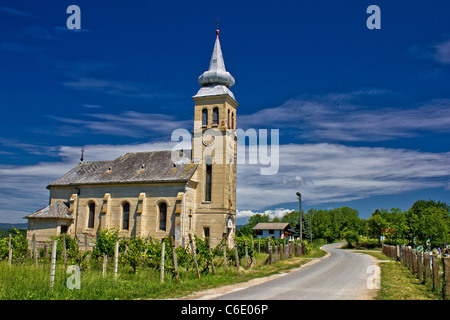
(321, 172)
(23, 187)
(17, 12)
(442, 52)
(121, 88)
(335, 173)
(279, 213)
(339, 117)
(126, 124)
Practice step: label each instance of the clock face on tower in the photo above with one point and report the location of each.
(208, 139)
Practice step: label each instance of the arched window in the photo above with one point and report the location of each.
(162, 216)
(91, 215)
(125, 216)
(232, 120)
(190, 219)
(208, 182)
(204, 117)
(216, 116)
(229, 121)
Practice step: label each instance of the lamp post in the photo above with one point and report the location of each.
(299, 195)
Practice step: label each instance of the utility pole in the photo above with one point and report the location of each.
(299, 195)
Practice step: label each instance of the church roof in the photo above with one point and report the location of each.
(217, 80)
(57, 210)
(140, 167)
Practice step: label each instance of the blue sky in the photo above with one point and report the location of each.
(363, 114)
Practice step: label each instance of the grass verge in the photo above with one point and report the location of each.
(397, 281)
(28, 282)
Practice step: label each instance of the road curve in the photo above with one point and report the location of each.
(342, 275)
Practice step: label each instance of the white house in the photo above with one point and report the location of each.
(275, 230)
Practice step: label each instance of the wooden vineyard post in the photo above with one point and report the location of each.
(53, 264)
(270, 255)
(446, 264)
(246, 253)
(253, 251)
(64, 250)
(236, 254)
(35, 256)
(225, 256)
(33, 248)
(191, 242)
(175, 260)
(259, 245)
(414, 261)
(105, 263)
(435, 274)
(280, 249)
(411, 259)
(163, 251)
(286, 251)
(420, 265)
(116, 259)
(426, 266)
(9, 251)
(212, 262)
(86, 250)
(276, 254)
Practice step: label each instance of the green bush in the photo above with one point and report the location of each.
(367, 243)
(106, 242)
(351, 237)
(19, 245)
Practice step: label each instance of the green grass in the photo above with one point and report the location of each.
(28, 282)
(398, 282)
(376, 253)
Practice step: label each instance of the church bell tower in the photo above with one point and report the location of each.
(214, 146)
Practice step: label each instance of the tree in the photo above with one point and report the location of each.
(257, 218)
(245, 231)
(291, 218)
(377, 224)
(135, 252)
(429, 220)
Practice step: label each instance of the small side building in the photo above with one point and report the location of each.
(274, 230)
(43, 223)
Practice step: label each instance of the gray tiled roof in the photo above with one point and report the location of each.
(270, 226)
(140, 167)
(53, 211)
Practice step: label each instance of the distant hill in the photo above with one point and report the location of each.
(7, 226)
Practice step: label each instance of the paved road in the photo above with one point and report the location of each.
(341, 275)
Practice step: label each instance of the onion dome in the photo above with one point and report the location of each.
(216, 80)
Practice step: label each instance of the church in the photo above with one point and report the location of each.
(148, 193)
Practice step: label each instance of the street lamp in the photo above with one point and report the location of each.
(299, 195)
